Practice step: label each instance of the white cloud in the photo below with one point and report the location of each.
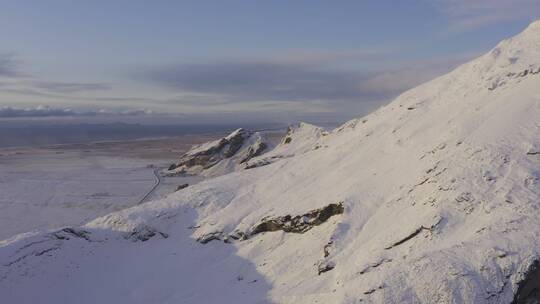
(465, 15)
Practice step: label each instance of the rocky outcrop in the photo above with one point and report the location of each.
(210, 237)
(254, 150)
(299, 223)
(299, 138)
(180, 187)
(223, 155)
(67, 233)
(244, 149)
(513, 75)
(208, 154)
(429, 228)
(325, 266)
(529, 288)
(144, 233)
(290, 224)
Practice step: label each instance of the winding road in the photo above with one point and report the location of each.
(157, 178)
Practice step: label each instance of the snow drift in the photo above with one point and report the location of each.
(439, 196)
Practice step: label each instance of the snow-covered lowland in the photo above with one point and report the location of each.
(50, 187)
(434, 198)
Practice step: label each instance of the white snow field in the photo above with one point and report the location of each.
(45, 188)
(40, 192)
(434, 198)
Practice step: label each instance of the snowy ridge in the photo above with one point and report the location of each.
(221, 156)
(440, 192)
(299, 139)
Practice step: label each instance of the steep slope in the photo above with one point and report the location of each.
(243, 149)
(221, 156)
(434, 198)
(299, 139)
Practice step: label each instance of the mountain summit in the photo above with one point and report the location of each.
(434, 198)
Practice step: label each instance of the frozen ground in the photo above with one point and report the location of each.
(43, 188)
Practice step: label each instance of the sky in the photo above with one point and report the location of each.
(236, 60)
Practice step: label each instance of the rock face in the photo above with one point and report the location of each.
(224, 155)
(180, 187)
(209, 154)
(243, 149)
(287, 223)
(299, 139)
(143, 233)
(299, 223)
(528, 291)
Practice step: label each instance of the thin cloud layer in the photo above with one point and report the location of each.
(8, 65)
(257, 81)
(325, 83)
(312, 84)
(13, 80)
(467, 14)
(45, 111)
(69, 87)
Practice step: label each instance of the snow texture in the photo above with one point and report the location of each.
(221, 156)
(440, 191)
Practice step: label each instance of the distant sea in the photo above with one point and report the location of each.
(43, 135)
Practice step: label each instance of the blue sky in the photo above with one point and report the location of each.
(274, 60)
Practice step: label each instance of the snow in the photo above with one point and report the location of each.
(51, 188)
(441, 199)
(222, 156)
(299, 139)
(234, 163)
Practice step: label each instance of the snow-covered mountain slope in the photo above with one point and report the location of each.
(243, 149)
(434, 198)
(221, 156)
(299, 139)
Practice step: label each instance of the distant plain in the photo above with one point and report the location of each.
(69, 184)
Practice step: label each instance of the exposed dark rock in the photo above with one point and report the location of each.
(503, 81)
(325, 266)
(528, 291)
(287, 223)
(299, 223)
(234, 143)
(36, 248)
(264, 161)
(66, 233)
(144, 233)
(241, 145)
(260, 163)
(210, 237)
(254, 151)
(238, 235)
(410, 236)
(287, 139)
(223, 148)
(413, 234)
(42, 252)
(180, 187)
(327, 247)
(372, 290)
(374, 265)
